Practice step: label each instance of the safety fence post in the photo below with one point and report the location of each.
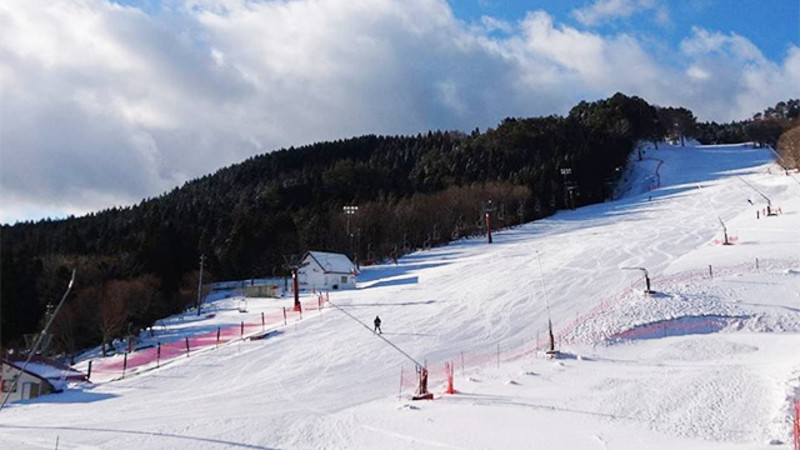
(284, 316)
(124, 363)
(158, 354)
(797, 424)
(448, 368)
(187, 345)
(241, 330)
(89, 371)
(218, 331)
(263, 322)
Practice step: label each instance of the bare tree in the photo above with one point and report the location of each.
(112, 311)
(789, 147)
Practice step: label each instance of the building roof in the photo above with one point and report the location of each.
(332, 262)
(54, 374)
(27, 370)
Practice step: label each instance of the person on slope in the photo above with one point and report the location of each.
(377, 323)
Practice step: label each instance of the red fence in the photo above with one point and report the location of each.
(119, 366)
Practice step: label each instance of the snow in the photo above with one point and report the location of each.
(333, 262)
(709, 361)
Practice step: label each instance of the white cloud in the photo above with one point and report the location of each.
(737, 80)
(603, 11)
(104, 105)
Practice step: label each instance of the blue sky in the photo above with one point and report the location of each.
(106, 103)
(770, 24)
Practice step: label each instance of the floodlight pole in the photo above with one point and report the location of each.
(565, 171)
(647, 290)
(349, 211)
(200, 283)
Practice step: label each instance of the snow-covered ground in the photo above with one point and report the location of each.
(711, 360)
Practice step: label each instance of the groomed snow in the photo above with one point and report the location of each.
(709, 361)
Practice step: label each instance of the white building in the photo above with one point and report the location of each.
(21, 385)
(322, 270)
(39, 378)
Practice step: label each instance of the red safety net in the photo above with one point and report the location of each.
(118, 366)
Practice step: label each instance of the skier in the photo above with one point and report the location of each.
(377, 323)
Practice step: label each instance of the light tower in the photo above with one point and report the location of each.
(569, 199)
(350, 211)
(200, 283)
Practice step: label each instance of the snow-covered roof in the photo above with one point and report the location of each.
(49, 372)
(27, 370)
(332, 262)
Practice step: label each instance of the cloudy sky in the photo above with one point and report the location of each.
(103, 103)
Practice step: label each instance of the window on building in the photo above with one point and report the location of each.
(344, 279)
(9, 383)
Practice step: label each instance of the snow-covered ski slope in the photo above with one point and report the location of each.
(711, 360)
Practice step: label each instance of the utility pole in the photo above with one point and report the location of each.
(200, 283)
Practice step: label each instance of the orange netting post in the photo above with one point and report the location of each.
(448, 368)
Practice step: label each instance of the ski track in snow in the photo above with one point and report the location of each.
(705, 362)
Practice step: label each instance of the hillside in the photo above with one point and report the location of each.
(249, 218)
(709, 361)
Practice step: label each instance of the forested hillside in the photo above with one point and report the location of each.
(135, 264)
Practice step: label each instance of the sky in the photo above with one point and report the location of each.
(104, 103)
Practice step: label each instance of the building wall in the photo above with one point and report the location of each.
(313, 276)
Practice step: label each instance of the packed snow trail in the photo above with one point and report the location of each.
(328, 384)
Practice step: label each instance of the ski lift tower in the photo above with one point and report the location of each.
(770, 211)
(551, 352)
(647, 289)
(292, 263)
(724, 232)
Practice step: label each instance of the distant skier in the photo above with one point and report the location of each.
(377, 323)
